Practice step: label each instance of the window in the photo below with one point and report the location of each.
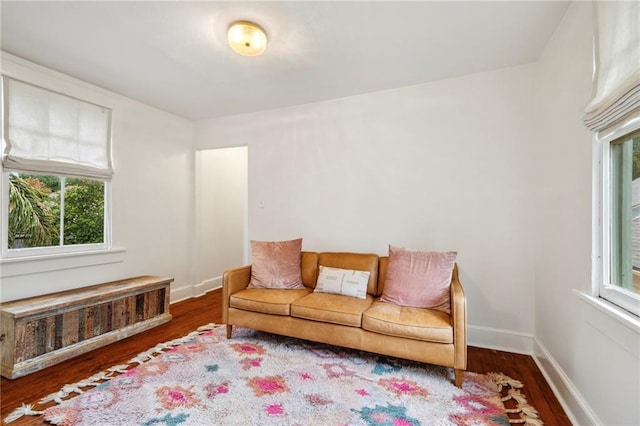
(625, 212)
(52, 211)
(56, 168)
(613, 115)
(620, 282)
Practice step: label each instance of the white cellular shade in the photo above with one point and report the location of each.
(616, 94)
(50, 133)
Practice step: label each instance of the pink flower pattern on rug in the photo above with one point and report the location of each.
(176, 396)
(258, 378)
(362, 392)
(249, 363)
(214, 389)
(274, 409)
(267, 385)
(477, 405)
(148, 369)
(401, 386)
(194, 347)
(248, 348)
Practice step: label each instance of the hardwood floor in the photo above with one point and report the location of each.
(190, 314)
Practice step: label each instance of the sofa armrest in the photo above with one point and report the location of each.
(459, 315)
(233, 281)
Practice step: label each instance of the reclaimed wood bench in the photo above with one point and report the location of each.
(44, 330)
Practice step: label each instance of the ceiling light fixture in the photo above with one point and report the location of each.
(247, 38)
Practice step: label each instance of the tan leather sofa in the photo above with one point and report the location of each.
(417, 334)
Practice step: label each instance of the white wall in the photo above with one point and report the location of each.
(591, 357)
(153, 197)
(221, 203)
(438, 166)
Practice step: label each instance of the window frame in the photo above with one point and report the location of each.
(602, 285)
(34, 252)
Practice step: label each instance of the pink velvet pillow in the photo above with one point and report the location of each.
(419, 278)
(276, 264)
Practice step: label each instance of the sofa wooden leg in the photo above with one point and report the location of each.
(229, 329)
(459, 377)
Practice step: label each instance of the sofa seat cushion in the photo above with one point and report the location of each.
(267, 300)
(415, 323)
(333, 308)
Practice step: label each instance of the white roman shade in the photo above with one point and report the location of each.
(49, 133)
(616, 92)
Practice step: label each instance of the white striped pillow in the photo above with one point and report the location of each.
(342, 281)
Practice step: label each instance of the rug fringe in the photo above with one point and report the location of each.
(24, 410)
(64, 393)
(528, 414)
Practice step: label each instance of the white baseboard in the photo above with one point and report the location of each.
(186, 292)
(498, 339)
(571, 400)
(206, 286)
(181, 293)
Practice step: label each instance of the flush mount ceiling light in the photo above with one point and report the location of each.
(247, 38)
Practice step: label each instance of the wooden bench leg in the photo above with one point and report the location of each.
(459, 377)
(229, 329)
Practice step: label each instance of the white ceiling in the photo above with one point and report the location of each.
(174, 56)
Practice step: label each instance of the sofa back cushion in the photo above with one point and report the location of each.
(382, 273)
(309, 268)
(356, 261)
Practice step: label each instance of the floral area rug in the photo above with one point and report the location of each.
(257, 378)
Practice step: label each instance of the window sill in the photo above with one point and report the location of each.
(623, 317)
(56, 262)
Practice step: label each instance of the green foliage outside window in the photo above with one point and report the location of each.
(35, 206)
(83, 212)
(31, 216)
